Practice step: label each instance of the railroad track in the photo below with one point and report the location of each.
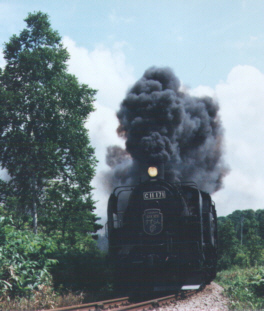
(123, 304)
(96, 306)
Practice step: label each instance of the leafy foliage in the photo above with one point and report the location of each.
(244, 287)
(43, 142)
(78, 270)
(32, 265)
(24, 260)
(240, 239)
(45, 148)
(228, 244)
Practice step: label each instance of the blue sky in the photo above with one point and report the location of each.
(202, 40)
(214, 47)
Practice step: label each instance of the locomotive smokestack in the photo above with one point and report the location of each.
(167, 127)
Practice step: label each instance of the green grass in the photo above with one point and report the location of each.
(244, 287)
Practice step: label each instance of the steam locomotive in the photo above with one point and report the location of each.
(162, 236)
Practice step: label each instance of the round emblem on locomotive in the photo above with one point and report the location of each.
(152, 221)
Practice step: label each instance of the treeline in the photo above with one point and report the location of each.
(241, 239)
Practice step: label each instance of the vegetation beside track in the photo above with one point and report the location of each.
(244, 287)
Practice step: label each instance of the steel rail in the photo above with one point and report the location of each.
(123, 304)
(154, 303)
(157, 302)
(94, 306)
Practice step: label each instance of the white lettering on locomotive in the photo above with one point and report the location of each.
(154, 195)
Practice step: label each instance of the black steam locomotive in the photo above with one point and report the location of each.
(162, 235)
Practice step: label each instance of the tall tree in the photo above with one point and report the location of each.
(228, 243)
(260, 217)
(43, 141)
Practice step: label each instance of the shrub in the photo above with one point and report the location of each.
(80, 270)
(242, 259)
(24, 260)
(244, 287)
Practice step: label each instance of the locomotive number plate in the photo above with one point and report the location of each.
(154, 195)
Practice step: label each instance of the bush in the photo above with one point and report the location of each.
(24, 260)
(80, 270)
(31, 266)
(242, 259)
(244, 287)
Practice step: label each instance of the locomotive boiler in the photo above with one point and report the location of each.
(162, 235)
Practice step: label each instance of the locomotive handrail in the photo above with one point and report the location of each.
(162, 244)
(120, 245)
(187, 183)
(123, 191)
(120, 187)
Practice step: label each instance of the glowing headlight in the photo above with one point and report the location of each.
(152, 171)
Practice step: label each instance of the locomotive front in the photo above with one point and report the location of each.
(156, 233)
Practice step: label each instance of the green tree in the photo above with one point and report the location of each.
(254, 247)
(243, 221)
(227, 242)
(260, 218)
(247, 227)
(43, 142)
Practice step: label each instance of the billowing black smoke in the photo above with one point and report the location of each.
(161, 123)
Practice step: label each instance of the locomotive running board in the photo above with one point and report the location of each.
(166, 288)
(175, 287)
(193, 281)
(191, 287)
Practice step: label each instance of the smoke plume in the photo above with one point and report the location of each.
(162, 123)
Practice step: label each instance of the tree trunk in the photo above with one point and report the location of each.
(241, 233)
(34, 209)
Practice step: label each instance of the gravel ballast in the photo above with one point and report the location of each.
(210, 299)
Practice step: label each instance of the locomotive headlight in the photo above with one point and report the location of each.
(152, 171)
